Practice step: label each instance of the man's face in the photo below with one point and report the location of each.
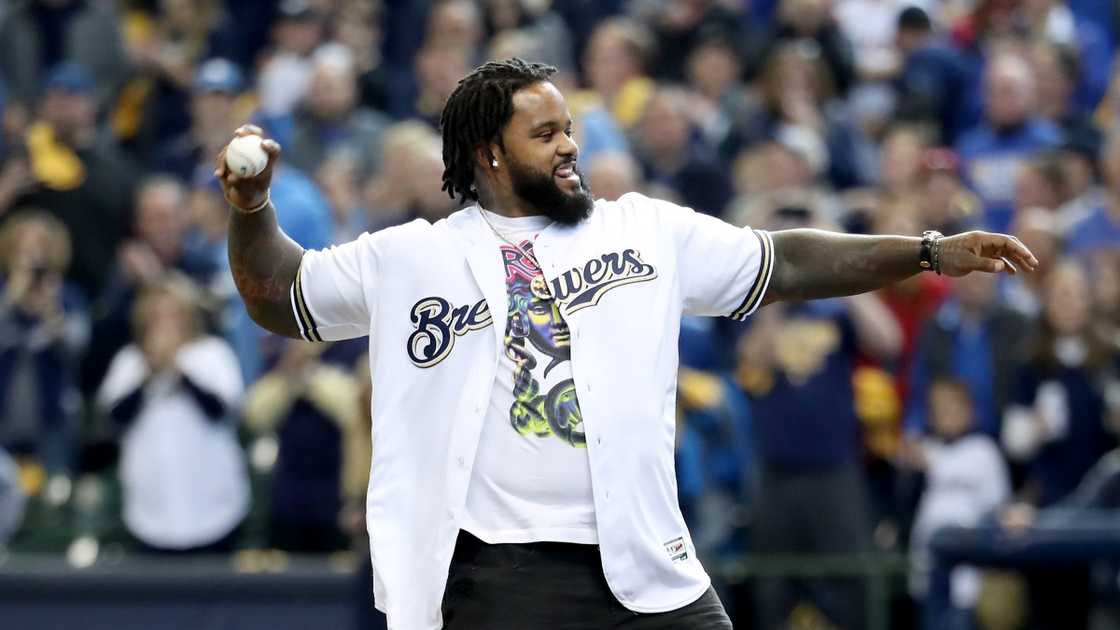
(333, 92)
(160, 221)
(540, 155)
(72, 115)
(211, 112)
(607, 62)
(1009, 96)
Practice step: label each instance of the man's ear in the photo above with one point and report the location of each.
(495, 155)
(482, 156)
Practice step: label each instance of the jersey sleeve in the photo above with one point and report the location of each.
(330, 293)
(723, 270)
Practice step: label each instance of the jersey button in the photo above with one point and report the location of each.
(599, 441)
(462, 463)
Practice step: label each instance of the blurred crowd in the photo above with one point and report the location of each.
(929, 413)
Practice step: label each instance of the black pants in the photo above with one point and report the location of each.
(550, 586)
(810, 511)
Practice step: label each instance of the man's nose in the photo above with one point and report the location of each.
(569, 146)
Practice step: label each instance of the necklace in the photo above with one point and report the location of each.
(538, 286)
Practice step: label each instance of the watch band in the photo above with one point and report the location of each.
(929, 259)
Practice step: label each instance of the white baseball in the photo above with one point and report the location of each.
(245, 157)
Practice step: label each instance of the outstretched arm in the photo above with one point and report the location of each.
(811, 264)
(264, 261)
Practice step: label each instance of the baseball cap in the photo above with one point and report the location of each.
(68, 77)
(913, 17)
(296, 10)
(218, 75)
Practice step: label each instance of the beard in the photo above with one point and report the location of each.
(539, 189)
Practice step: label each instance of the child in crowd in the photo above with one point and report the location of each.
(966, 479)
(174, 392)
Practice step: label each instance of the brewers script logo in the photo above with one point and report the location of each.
(438, 322)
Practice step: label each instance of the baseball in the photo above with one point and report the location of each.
(245, 157)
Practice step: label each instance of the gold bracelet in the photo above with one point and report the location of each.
(267, 200)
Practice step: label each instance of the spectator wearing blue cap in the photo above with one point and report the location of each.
(79, 174)
(214, 90)
(36, 35)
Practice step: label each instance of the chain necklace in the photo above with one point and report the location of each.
(538, 285)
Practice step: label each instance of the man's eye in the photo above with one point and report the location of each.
(545, 136)
(568, 132)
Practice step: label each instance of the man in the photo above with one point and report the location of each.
(158, 246)
(213, 99)
(38, 35)
(993, 152)
(474, 523)
(974, 338)
(932, 77)
(80, 175)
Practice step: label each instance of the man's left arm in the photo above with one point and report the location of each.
(811, 264)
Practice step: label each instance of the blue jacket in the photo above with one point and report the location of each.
(992, 158)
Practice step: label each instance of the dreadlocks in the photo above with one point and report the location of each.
(476, 112)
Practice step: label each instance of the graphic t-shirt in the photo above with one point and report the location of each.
(531, 479)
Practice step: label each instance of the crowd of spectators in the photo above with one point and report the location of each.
(866, 424)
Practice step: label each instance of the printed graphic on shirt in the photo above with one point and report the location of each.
(538, 341)
(804, 345)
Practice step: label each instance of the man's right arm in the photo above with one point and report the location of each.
(263, 260)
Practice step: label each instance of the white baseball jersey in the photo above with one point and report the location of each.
(432, 298)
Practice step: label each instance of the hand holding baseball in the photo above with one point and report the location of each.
(247, 190)
(984, 251)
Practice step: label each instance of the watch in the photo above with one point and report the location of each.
(929, 259)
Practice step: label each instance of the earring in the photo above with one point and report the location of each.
(494, 163)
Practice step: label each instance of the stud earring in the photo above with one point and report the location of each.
(494, 163)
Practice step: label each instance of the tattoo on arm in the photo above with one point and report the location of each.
(264, 262)
(811, 264)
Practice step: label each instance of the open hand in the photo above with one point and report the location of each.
(962, 254)
(247, 193)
